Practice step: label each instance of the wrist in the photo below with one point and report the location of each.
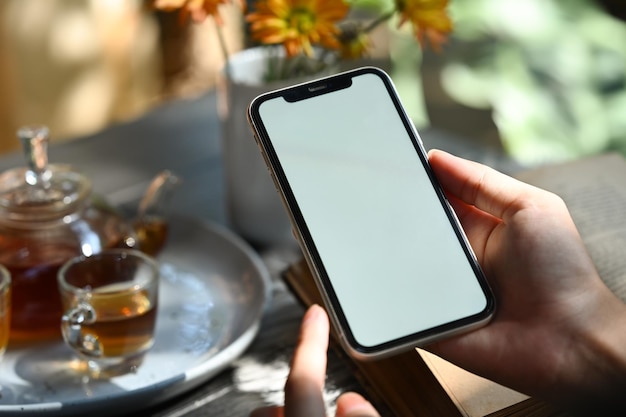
(594, 381)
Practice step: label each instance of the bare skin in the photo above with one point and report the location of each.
(303, 389)
(558, 334)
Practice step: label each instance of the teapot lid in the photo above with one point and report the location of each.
(40, 191)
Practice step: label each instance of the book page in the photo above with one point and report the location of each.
(594, 190)
(473, 395)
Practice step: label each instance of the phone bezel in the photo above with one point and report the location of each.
(327, 85)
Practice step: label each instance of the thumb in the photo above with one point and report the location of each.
(352, 404)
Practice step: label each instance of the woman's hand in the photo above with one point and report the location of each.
(558, 330)
(303, 389)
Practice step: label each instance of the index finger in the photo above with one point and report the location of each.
(303, 389)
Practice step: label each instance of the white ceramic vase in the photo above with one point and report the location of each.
(254, 207)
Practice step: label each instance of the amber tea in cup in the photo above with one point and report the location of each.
(5, 307)
(110, 302)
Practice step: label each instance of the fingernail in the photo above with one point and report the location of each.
(358, 410)
(352, 404)
(312, 313)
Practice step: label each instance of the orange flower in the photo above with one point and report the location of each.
(429, 18)
(198, 9)
(297, 24)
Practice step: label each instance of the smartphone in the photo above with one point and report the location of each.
(388, 254)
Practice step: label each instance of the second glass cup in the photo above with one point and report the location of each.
(110, 301)
(5, 308)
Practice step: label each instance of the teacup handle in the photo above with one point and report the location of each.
(71, 327)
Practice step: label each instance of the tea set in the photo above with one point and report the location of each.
(49, 217)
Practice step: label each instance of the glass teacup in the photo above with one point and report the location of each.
(110, 302)
(5, 308)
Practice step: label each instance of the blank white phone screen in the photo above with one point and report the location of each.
(393, 259)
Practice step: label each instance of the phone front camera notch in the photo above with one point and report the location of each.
(315, 88)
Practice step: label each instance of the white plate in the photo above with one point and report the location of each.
(213, 292)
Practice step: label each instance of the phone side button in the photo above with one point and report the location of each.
(266, 159)
(274, 180)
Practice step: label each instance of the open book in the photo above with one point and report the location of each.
(417, 383)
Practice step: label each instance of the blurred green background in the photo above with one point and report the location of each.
(542, 80)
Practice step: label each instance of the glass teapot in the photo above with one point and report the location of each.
(47, 216)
